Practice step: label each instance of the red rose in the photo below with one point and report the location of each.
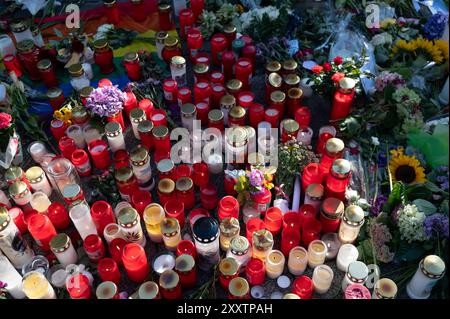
(337, 77)
(338, 60)
(5, 120)
(327, 66)
(317, 69)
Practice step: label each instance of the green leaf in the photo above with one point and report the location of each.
(433, 187)
(418, 191)
(409, 252)
(425, 206)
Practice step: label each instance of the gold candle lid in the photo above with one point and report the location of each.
(433, 266)
(86, 91)
(100, 44)
(290, 126)
(170, 226)
(13, 173)
(273, 67)
(18, 189)
(229, 226)
(315, 191)
(128, 217)
(385, 288)
(149, 214)
(237, 112)
(60, 243)
(229, 28)
(166, 186)
(332, 208)
(44, 64)
(146, 126)
(215, 115)
(137, 115)
(290, 65)
(139, 156)
(184, 263)
(295, 93)
(34, 174)
(160, 131)
(277, 96)
(4, 218)
(238, 287)
(164, 7)
(341, 167)
(131, 56)
(227, 101)
(334, 145)
(76, 70)
(353, 215)
(237, 135)
(291, 296)
(25, 46)
(169, 279)
(170, 42)
(109, 3)
(188, 110)
(19, 25)
(54, 92)
(228, 266)
(201, 68)
(123, 174)
(262, 239)
(292, 79)
(184, 184)
(161, 36)
(148, 290)
(275, 80)
(234, 85)
(239, 245)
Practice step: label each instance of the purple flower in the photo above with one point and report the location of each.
(377, 207)
(106, 101)
(434, 27)
(256, 178)
(436, 225)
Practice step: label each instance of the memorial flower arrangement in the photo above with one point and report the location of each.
(6, 130)
(106, 101)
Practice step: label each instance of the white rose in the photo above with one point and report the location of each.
(375, 140)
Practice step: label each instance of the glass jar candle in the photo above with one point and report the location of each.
(244, 69)
(140, 162)
(153, 216)
(166, 191)
(171, 234)
(239, 250)
(130, 226)
(78, 79)
(159, 117)
(18, 218)
(331, 212)
(202, 109)
(170, 88)
(312, 174)
(256, 114)
(36, 286)
(42, 230)
(100, 154)
(323, 139)
(343, 99)
(272, 116)
(132, 66)
(194, 42)
(112, 11)
(293, 102)
(352, 222)
(121, 158)
(201, 73)
(228, 207)
(275, 264)
(178, 70)
(12, 244)
(346, 255)
(135, 262)
(75, 132)
(297, 261)
(11, 278)
(187, 21)
(208, 196)
(38, 180)
(81, 162)
(111, 232)
(161, 138)
(246, 99)
(58, 129)
(202, 92)
(116, 247)
(82, 219)
(292, 221)
(169, 281)
(338, 179)
(149, 290)
(255, 272)
(431, 269)
(249, 212)
(384, 288)
(186, 270)
(137, 115)
(262, 241)
(115, 137)
(333, 244)
(171, 49)
(227, 102)
(140, 200)
(12, 64)
(273, 220)
(185, 192)
(289, 240)
(21, 30)
(238, 289)
(236, 116)
(58, 215)
(40, 202)
(234, 87)
(273, 83)
(166, 169)
(102, 215)
(107, 290)
(357, 273)
(334, 149)
(174, 208)
(7, 45)
(47, 73)
(228, 269)
(184, 96)
(91, 133)
(67, 146)
(145, 129)
(289, 67)
(277, 102)
(291, 81)
(317, 252)
(314, 195)
(218, 46)
(188, 116)
(21, 195)
(160, 37)
(94, 248)
(126, 182)
(218, 91)
(29, 55)
(252, 226)
(230, 32)
(165, 16)
(206, 236)
(322, 279)
(108, 270)
(147, 106)
(229, 229)
(303, 116)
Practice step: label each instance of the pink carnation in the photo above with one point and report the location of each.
(5, 120)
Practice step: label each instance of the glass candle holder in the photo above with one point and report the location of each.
(62, 172)
(317, 252)
(94, 248)
(185, 268)
(303, 287)
(352, 222)
(185, 192)
(115, 248)
(310, 231)
(313, 196)
(255, 272)
(130, 226)
(161, 36)
(99, 153)
(238, 289)
(58, 215)
(252, 226)
(21, 195)
(166, 190)
(82, 219)
(240, 250)
(135, 262)
(208, 196)
(111, 232)
(292, 221)
(132, 66)
(262, 242)
(115, 137)
(81, 162)
(346, 255)
(338, 179)
(36, 286)
(218, 45)
(298, 260)
(140, 200)
(334, 148)
(229, 229)
(430, 270)
(322, 279)
(153, 216)
(149, 290)
(126, 182)
(228, 207)
(331, 212)
(289, 240)
(333, 244)
(42, 230)
(357, 273)
(178, 70)
(343, 99)
(186, 246)
(170, 229)
(140, 162)
(37, 150)
(194, 42)
(12, 278)
(206, 236)
(275, 264)
(102, 215)
(174, 208)
(273, 220)
(228, 269)
(169, 281)
(38, 180)
(18, 218)
(107, 290)
(385, 288)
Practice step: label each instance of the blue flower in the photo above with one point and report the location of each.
(436, 225)
(434, 27)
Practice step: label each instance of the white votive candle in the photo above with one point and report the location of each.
(317, 252)
(322, 279)
(81, 217)
(37, 150)
(40, 202)
(298, 260)
(75, 132)
(90, 133)
(38, 180)
(346, 255)
(12, 278)
(36, 286)
(112, 231)
(275, 264)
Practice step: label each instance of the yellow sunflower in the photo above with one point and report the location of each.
(443, 46)
(406, 169)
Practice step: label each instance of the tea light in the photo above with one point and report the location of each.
(75, 132)
(162, 262)
(186, 247)
(317, 251)
(111, 231)
(119, 207)
(347, 254)
(153, 216)
(135, 262)
(322, 279)
(40, 202)
(12, 278)
(37, 150)
(384, 288)
(333, 244)
(36, 286)
(298, 260)
(291, 221)
(275, 264)
(90, 133)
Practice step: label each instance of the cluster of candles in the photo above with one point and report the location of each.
(322, 229)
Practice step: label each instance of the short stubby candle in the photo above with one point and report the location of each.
(275, 264)
(273, 220)
(255, 272)
(317, 252)
(135, 262)
(228, 207)
(322, 279)
(303, 287)
(298, 260)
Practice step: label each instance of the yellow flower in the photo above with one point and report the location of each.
(387, 22)
(239, 8)
(433, 51)
(406, 169)
(398, 152)
(443, 46)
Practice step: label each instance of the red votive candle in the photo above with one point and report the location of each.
(108, 270)
(202, 92)
(12, 64)
(289, 239)
(58, 128)
(272, 116)
(273, 220)
(102, 215)
(343, 99)
(112, 11)
(197, 7)
(58, 215)
(99, 153)
(310, 231)
(194, 42)
(170, 88)
(135, 262)
(121, 158)
(262, 200)
(183, 170)
(130, 103)
(312, 174)
(104, 82)
(67, 146)
(200, 174)
(202, 112)
(202, 57)
(186, 247)
(228, 61)
(322, 141)
(303, 287)
(19, 219)
(187, 20)
(228, 207)
(147, 106)
(307, 212)
(256, 114)
(218, 91)
(42, 230)
(115, 248)
(132, 66)
(292, 221)
(169, 281)
(217, 78)
(255, 272)
(80, 160)
(245, 99)
(174, 208)
(331, 212)
(184, 96)
(249, 52)
(140, 200)
(78, 287)
(253, 224)
(303, 117)
(186, 270)
(94, 248)
(208, 196)
(244, 70)
(218, 45)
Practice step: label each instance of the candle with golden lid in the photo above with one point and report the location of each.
(289, 66)
(236, 116)
(140, 162)
(385, 288)
(228, 269)
(188, 115)
(262, 243)
(161, 36)
(115, 137)
(352, 222)
(62, 247)
(291, 296)
(38, 180)
(153, 216)
(130, 226)
(170, 229)
(272, 67)
(169, 281)
(240, 251)
(274, 80)
(137, 115)
(314, 195)
(226, 103)
(20, 193)
(431, 269)
(229, 229)
(292, 80)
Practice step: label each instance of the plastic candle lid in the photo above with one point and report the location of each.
(206, 229)
(315, 190)
(128, 217)
(341, 166)
(291, 296)
(238, 287)
(385, 288)
(354, 215)
(106, 290)
(228, 266)
(169, 279)
(184, 262)
(163, 261)
(239, 245)
(276, 295)
(358, 270)
(148, 290)
(283, 281)
(165, 165)
(332, 207)
(262, 238)
(434, 265)
(229, 226)
(170, 226)
(334, 145)
(257, 292)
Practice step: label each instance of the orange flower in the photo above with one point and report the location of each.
(317, 69)
(337, 77)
